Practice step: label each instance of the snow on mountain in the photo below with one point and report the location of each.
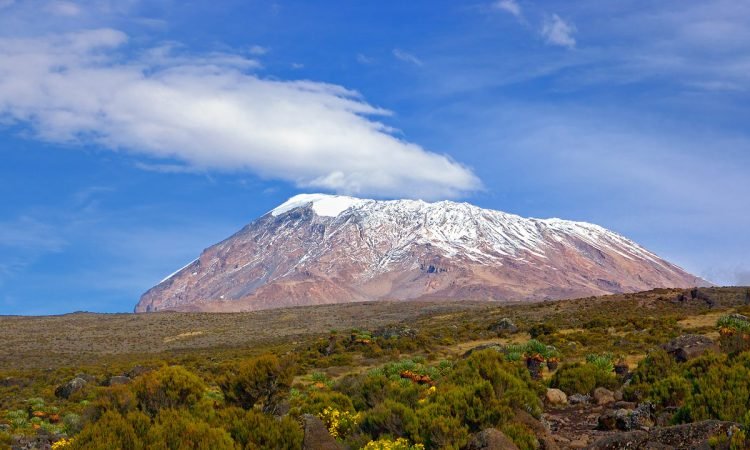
(318, 248)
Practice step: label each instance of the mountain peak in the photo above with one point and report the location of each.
(353, 249)
(325, 205)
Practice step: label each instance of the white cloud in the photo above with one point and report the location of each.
(211, 114)
(510, 6)
(257, 50)
(407, 57)
(558, 32)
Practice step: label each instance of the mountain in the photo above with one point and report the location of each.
(318, 249)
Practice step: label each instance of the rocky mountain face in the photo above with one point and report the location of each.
(318, 249)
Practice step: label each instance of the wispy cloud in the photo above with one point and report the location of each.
(257, 50)
(407, 57)
(362, 59)
(210, 112)
(556, 31)
(510, 6)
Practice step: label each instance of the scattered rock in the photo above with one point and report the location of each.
(117, 380)
(69, 388)
(579, 399)
(317, 436)
(689, 346)
(394, 331)
(556, 397)
(491, 439)
(603, 396)
(681, 437)
(505, 325)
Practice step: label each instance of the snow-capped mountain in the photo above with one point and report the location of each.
(318, 249)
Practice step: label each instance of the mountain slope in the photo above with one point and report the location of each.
(318, 249)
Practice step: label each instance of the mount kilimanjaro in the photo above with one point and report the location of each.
(320, 249)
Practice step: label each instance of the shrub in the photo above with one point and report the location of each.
(168, 387)
(255, 430)
(264, 380)
(339, 423)
(580, 378)
(178, 430)
(391, 418)
(521, 435)
(110, 431)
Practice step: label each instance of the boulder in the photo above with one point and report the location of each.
(612, 419)
(624, 419)
(120, 379)
(556, 397)
(689, 346)
(681, 437)
(504, 325)
(317, 436)
(603, 396)
(86, 377)
(491, 439)
(69, 388)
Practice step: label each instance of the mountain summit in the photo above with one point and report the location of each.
(317, 249)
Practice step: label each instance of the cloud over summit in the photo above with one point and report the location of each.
(210, 112)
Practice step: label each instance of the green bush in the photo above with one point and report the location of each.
(578, 378)
(521, 435)
(112, 430)
(255, 430)
(168, 387)
(178, 430)
(264, 381)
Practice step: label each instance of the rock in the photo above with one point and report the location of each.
(69, 388)
(317, 436)
(505, 325)
(617, 395)
(491, 439)
(394, 331)
(603, 396)
(13, 382)
(556, 397)
(613, 419)
(625, 405)
(689, 346)
(577, 399)
(689, 436)
(644, 416)
(117, 380)
(546, 441)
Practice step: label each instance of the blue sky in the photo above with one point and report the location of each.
(134, 134)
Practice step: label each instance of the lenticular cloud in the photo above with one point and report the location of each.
(211, 112)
